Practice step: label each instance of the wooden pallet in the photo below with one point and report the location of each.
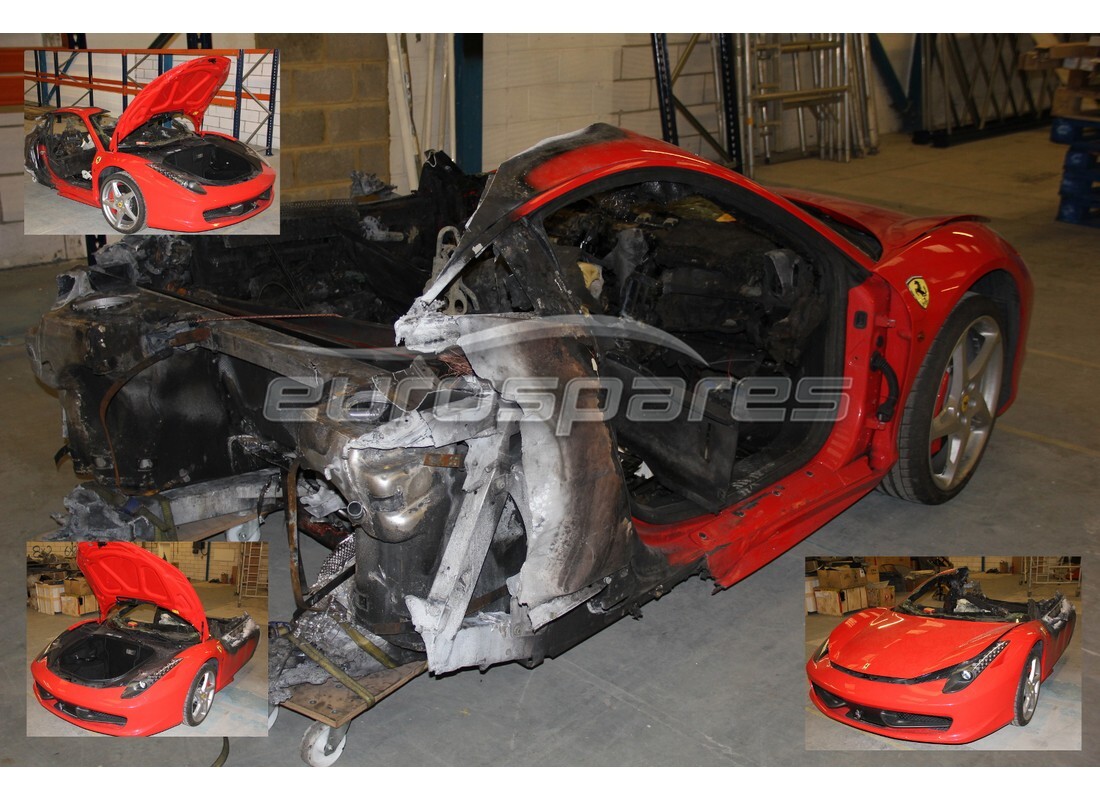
(335, 704)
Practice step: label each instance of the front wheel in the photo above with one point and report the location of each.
(122, 203)
(200, 697)
(949, 415)
(1027, 693)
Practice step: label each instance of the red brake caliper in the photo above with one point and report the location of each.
(941, 398)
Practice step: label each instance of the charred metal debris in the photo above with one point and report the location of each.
(458, 540)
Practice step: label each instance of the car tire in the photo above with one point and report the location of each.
(200, 697)
(122, 202)
(1027, 693)
(951, 409)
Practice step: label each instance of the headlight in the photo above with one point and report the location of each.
(962, 675)
(190, 184)
(822, 651)
(143, 682)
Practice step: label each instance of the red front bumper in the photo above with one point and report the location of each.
(105, 711)
(918, 712)
(171, 207)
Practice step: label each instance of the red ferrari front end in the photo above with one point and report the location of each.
(173, 207)
(920, 711)
(116, 710)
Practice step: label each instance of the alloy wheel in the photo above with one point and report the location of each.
(965, 411)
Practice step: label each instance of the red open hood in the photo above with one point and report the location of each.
(892, 645)
(188, 89)
(122, 569)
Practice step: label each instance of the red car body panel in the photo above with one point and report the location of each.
(187, 89)
(897, 646)
(161, 706)
(951, 253)
(115, 569)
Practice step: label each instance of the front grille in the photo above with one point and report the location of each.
(881, 718)
(237, 209)
(828, 698)
(899, 719)
(88, 715)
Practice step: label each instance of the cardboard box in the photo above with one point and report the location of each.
(838, 602)
(78, 605)
(902, 563)
(841, 577)
(811, 601)
(1055, 56)
(856, 597)
(872, 573)
(880, 595)
(916, 578)
(77, 586)
(48, 596)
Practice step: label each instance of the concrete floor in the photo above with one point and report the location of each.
(1055, 726)
(701, 680)
(240, 709)
(47, 212)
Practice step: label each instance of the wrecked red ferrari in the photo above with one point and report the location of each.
(519, 406)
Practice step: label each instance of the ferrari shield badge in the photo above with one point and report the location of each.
(919, 289)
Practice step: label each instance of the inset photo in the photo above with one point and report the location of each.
(943, 652)
(151, 141)
(157, 638)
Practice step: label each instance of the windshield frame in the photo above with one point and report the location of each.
(103, 125)
(140, 137)
(950, 595)
(180, 631)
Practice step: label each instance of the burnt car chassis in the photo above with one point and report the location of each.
(207, 383)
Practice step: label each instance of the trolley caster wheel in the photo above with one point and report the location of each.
(323, 744)
(272, 715)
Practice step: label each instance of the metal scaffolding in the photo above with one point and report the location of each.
(252, 576)
(972, 86)
(1061, 571)
(56, 67)
(818, 83)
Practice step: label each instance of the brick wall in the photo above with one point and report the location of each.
(335, 113)
(222, 556)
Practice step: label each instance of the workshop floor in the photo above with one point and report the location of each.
(240, 709)
(701, 680)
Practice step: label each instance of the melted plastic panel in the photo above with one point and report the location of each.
(363, 261)
(235, 632)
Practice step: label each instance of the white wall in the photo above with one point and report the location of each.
(541, 85)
